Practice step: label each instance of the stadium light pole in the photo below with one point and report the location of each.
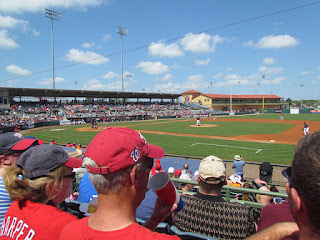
(123, 32)
(230, 100)
(301, 85)
(263, 76)
(53, 15)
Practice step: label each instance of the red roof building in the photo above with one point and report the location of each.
(221, 102)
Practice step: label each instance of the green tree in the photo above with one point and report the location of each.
(289, 101)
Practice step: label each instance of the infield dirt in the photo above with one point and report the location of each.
(290, 136)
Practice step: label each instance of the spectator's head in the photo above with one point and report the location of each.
(69, 142)
(237, 157)
(246, 196)
(171, 172)
(177, 173)
(185, 186)
(158, 167)
(185, 166)
(12, 145)
(212, 175)
(304, 185)
(119, 160)
(47, 175)
(266, 171)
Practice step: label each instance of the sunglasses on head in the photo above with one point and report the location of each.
(11, 152)
(72, 175)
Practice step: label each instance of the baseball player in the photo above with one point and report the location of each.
(198, 121)
(306, 128)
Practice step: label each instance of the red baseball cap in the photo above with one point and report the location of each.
(16, 142)
(158, 166)
(177, 172)
(117, 148)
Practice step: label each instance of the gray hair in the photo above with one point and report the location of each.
(109, 183)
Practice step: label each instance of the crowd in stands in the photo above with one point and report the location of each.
(31, 112)
(36, 179)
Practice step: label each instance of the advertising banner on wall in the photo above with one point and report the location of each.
(294, 111)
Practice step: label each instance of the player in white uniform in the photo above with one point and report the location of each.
(198, 121)
(306, 128)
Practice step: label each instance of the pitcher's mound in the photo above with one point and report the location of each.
(204, 125)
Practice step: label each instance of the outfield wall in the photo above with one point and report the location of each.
(289, 110)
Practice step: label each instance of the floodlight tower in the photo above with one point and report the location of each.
(301, 85)
(53, 15)
(123, 32)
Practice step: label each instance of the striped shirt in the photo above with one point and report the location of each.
(5, 201)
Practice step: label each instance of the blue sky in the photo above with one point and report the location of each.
(171, 46)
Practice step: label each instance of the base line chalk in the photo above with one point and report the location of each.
(258, 149)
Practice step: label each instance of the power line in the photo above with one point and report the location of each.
(173, 39)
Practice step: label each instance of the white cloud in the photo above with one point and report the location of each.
(95, 84)
(14, 23)
(76, 55)
(167, 77)
(10, 22)
(200, 43)
(252, 80)
(195, 78)
(17, 70)
(305, 73)
(48, 81)
(153, 67)
(218, 75)
(279, 41)
(20, 6)
(7, 42)
(106, 38)
(278, 80)
(12, 83)
(162, 50)
(268, 60)
(87, 45)
(229, 69)
(250, 43)
(110, 75)
(169, 87)
(270, 71)
(314, 81)
(203, 62)
(35, 32)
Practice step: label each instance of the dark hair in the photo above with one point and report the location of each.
(305, 175)
(212, 188)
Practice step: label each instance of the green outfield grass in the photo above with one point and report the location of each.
(190, 146)
(303, 116)
(225, 129)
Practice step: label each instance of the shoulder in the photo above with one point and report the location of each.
(73, 229)
(141, 232)
(264, 188)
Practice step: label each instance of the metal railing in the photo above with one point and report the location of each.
(229, 190)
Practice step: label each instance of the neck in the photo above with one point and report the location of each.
(308, 234)
(2, 170)
(119, 207)
(210, 194)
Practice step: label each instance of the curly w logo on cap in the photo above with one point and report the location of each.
(118, 148)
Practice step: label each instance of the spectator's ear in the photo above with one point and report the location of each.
(4, 160)
(134, 176)
(198, 179)
(295, 199)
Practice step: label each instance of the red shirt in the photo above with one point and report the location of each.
(81, 231)
(35, 221)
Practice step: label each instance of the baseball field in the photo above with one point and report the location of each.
(258, 137)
